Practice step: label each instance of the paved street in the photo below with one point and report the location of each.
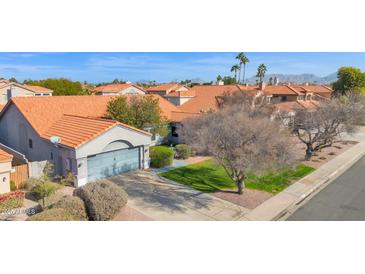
(342, 200)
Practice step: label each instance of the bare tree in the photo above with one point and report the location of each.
(239, 142)
(321, 127)
(254, 102)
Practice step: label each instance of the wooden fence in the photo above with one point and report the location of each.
(20, 176)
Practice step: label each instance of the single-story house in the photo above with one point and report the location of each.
(5, 170)
(73, 133)
(10, 89)
(119, 89)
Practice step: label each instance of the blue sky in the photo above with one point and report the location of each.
(165, 67)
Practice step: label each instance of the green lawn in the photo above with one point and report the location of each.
(207, 176)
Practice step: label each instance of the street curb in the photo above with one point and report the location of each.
(293, 200)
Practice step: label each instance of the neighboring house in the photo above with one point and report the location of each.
(118, 89)
(10, 89)
(285, 98)
(5, 170)
(173, 92)
(90, 146)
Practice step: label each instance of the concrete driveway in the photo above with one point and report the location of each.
(162, 200)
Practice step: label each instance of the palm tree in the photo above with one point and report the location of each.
(261, 70)
(234, 69)
(242, 58)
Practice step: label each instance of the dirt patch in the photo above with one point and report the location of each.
(196, 159)
(325, 155)
(249, 199)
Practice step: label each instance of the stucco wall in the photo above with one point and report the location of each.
(5, 169)
(16, 91)
(116, 138)
(15, 133)
(178, 101)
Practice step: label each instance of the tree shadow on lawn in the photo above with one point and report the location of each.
(166, 198)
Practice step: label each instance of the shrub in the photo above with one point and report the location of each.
(68, 180)
(161, 156)
(43, 190)
(74, 205)
(13, 186)
(103, 199)
(53, 214)
(183, 151)
(11, 200)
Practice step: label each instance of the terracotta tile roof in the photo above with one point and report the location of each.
(206, 98)
(299, 104)
(47, 115)
(1, 107)
(76, 130)
(164, 87)
(114, 88)
(37, 88)
(183, 93)
(178, 116)
(5, 157)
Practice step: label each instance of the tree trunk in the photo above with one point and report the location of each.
(239, 74)
(308, 152)
(240, 186)
(244, 73)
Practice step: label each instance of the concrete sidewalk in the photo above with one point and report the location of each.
(287, 201)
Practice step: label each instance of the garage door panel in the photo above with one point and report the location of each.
(112, 163)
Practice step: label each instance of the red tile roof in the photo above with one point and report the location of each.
(37, 88)
(164, 87)
(299, 104)
(76, 130)
(178, 116)
(5, 157)
(51, 115)
(206, 98)
(115, 88)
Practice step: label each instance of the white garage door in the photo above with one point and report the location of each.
(112, 163)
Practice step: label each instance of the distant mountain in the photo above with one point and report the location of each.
(298, 78)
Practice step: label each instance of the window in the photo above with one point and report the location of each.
(51, 155)
(284, 98)
(173, 131)
(30, 143)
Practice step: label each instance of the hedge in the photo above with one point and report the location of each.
(183, 151)
(53, 214)
(103, 199)
(161, 156)
(74, 205)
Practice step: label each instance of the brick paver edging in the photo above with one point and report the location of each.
(284, 202)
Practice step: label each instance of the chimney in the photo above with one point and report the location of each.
(307, 84)
(262, 85)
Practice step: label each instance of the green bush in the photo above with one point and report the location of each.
(11, 200)
(53, 214)
(74, 205)
(161, 156)
(183, 151)
(69, 180)
(12, 186)
(103, 199)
